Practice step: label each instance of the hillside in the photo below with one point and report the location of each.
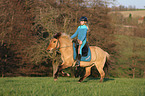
(131, 52)
(139, 13)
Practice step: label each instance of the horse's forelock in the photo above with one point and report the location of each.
(63, 35)
(57, 35)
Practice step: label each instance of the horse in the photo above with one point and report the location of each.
(64, 44)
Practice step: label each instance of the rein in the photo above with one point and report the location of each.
(58, 46)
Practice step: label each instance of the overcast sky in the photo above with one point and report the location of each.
(137, 3)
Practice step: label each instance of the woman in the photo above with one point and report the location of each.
(81, 34)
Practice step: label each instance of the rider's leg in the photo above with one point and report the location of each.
(80, 52)
(81, 47)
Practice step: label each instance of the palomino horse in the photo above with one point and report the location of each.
(63, 43)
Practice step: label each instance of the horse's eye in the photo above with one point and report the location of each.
(54, 41)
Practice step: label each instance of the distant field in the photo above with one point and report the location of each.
(45, 86)
(138, 13)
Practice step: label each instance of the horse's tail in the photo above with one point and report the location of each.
(107, 60)
(106, 66)
(107, 55)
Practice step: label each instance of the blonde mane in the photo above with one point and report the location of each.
(64, 35)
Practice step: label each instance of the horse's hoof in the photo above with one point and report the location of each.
(55, 79)
(101, 81)
(79, 82)
(68, 74)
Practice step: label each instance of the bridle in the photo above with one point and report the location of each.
(57, 48)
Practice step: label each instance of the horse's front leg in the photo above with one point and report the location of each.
(60, 67)
(58, 70)
(64, 73)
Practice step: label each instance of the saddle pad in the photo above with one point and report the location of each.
(83, 58)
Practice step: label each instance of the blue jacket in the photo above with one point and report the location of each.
(81, 33)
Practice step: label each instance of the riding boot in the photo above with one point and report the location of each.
(78, 60)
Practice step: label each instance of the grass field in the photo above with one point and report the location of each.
(45, 86)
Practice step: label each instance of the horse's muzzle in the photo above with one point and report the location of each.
(50, 51)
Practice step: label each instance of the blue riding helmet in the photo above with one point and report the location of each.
(83, 18)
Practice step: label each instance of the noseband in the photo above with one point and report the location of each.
(58, 46)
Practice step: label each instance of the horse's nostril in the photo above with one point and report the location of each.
(50, 51)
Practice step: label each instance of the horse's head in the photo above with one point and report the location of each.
(54, 43)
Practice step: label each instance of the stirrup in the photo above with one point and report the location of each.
(77, 66)
(77, 63)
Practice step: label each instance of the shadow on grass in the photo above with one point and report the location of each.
(104, 80)
(88, 79)
(108, 79)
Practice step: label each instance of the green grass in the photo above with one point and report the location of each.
(129, 46)
(45, 86)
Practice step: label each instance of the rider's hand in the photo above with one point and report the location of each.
(80, 42)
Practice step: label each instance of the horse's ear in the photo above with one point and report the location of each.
(57, 35)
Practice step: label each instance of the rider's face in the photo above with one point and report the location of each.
(82, 22)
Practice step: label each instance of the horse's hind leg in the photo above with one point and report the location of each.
(99, 66)
(88, 71)
(102, 74)
(101, 71)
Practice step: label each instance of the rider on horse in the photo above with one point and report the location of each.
(81, 34)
